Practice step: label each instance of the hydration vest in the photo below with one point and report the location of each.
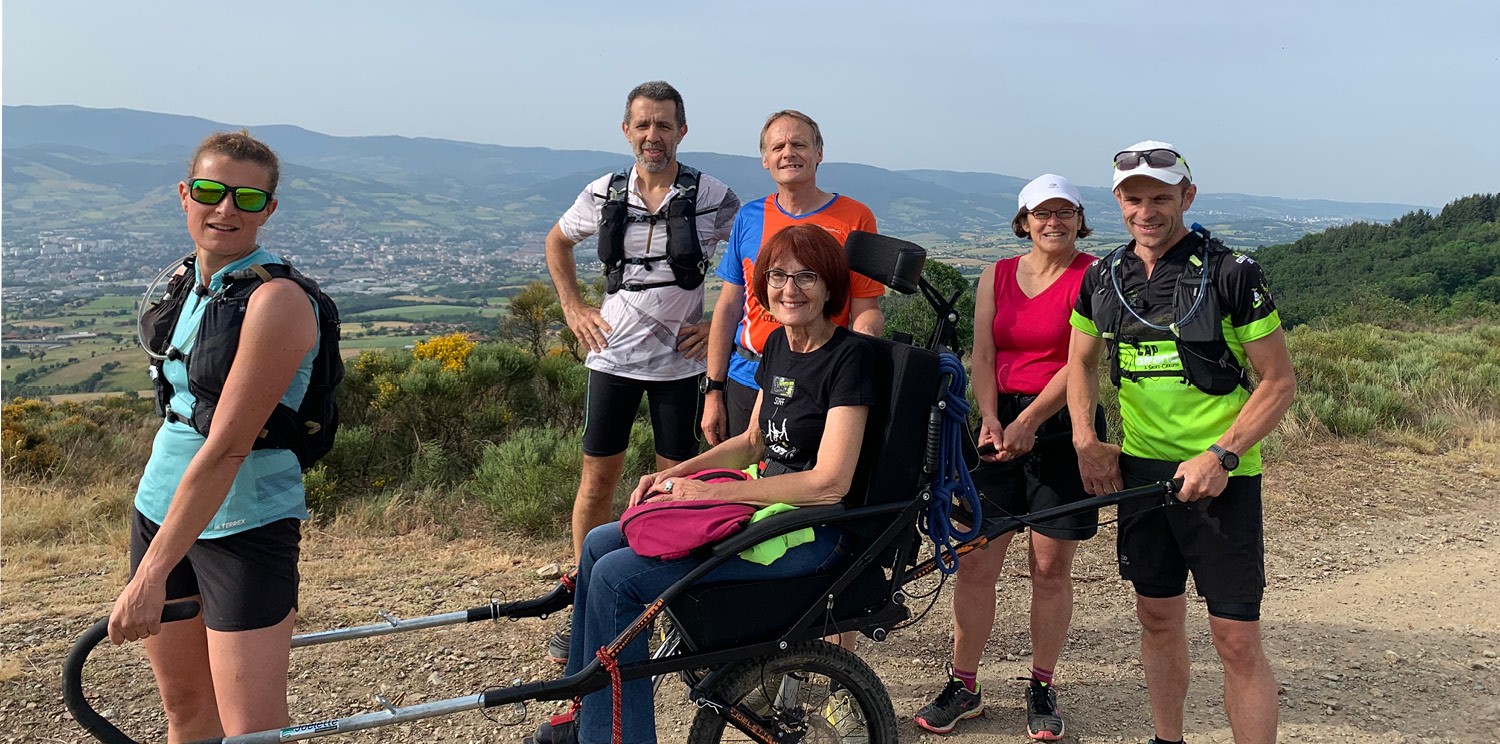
(684, 252)
(308, 430)
(1193, 348)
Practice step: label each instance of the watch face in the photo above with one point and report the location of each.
(703, 385)
(1228, 460)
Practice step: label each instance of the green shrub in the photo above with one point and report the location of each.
(76, 442)
(530, 479)
(1361, 379)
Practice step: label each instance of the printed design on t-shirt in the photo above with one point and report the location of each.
(778, 441)
(778, 444)
(782, 388)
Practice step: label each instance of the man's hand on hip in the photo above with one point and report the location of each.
(692, 340)
(588, 325)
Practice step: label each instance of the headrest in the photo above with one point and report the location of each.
(891, 261)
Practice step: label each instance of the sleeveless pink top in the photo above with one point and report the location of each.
(1031, 333)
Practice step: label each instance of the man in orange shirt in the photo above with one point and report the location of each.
(791, 147)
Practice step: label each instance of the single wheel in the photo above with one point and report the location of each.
(814, 692)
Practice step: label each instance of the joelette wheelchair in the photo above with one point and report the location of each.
(751, 653)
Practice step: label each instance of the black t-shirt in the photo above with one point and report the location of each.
(798, 389)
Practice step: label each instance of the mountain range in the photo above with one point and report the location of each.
(70, 168)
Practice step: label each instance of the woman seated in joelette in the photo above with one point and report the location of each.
(815, 396)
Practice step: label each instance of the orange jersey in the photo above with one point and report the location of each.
(762, 219)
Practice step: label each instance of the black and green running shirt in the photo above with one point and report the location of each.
(1165, 417)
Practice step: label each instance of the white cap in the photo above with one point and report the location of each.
(1044, 187)
(1172, 174)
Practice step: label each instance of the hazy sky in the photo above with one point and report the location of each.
(1372, 100)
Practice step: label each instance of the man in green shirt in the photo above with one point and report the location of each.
(1184, 320)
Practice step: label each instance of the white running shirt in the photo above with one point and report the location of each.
(643, 342)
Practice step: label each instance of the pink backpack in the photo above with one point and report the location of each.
(674, 529)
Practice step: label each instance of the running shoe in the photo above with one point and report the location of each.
(955, 703)
(844, 717)
(561, 729)
(557, 648)
(1042, 719)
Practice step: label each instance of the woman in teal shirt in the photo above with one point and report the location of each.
(215, 520)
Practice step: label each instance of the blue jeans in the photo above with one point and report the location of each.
(615, 585)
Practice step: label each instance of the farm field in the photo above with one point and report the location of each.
(110, 361)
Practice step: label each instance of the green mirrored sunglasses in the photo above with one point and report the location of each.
(246, 199)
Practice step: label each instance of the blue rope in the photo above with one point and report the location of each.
(952, 477)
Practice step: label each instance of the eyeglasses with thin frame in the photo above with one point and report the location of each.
(804, 279)
(1156, 158)
(246, 198)
(1066, 213)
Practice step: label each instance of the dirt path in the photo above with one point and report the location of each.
(1382, 622)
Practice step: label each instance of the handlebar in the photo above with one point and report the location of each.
(72, 674)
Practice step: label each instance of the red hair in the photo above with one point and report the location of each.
(814, 248)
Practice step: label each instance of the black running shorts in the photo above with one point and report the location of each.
(247, 580)
(1045, 477)
(1220, 540)
(613, 402)
(739, 402)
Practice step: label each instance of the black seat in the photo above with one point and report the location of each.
(724, 615)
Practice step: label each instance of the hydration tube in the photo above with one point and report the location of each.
(1114, 276)
(951, 479)
(140, 308)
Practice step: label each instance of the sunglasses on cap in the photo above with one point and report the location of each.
(1159, 158)
(246, 199)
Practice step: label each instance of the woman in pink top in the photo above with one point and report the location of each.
(1025, 301)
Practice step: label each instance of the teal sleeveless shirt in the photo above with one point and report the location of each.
(268, 486)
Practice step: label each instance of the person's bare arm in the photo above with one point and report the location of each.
(728, 311)
(1020, 436)
(584, 319)
(734, 453)
(826, 483)
(278, 331)
(1203, 476)
(1098, 462)
(865, 316)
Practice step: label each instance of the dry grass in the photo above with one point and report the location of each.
(10, 668)
(56, 514)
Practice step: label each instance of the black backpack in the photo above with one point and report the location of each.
(309, 430)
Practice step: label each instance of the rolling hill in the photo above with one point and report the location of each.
(122, 166)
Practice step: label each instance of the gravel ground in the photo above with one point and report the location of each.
(1382, 620)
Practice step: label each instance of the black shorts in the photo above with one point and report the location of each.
(739, 403)
(247, 580)
(612, 405)
(1046, 477)
(1220, 540)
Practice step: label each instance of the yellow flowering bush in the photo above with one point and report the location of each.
(451, 350)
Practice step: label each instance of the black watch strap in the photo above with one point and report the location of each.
(708, 385)
(1227, 460)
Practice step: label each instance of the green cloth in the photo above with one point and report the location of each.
(771, 550)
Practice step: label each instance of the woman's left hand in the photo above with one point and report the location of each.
(682, 489)
(1018, 439)
(137, 612)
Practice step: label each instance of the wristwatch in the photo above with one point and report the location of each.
(705, 385)
(1227, 460)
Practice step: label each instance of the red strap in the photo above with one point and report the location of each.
(613, 667)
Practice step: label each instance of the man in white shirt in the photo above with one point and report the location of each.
(658, 224)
